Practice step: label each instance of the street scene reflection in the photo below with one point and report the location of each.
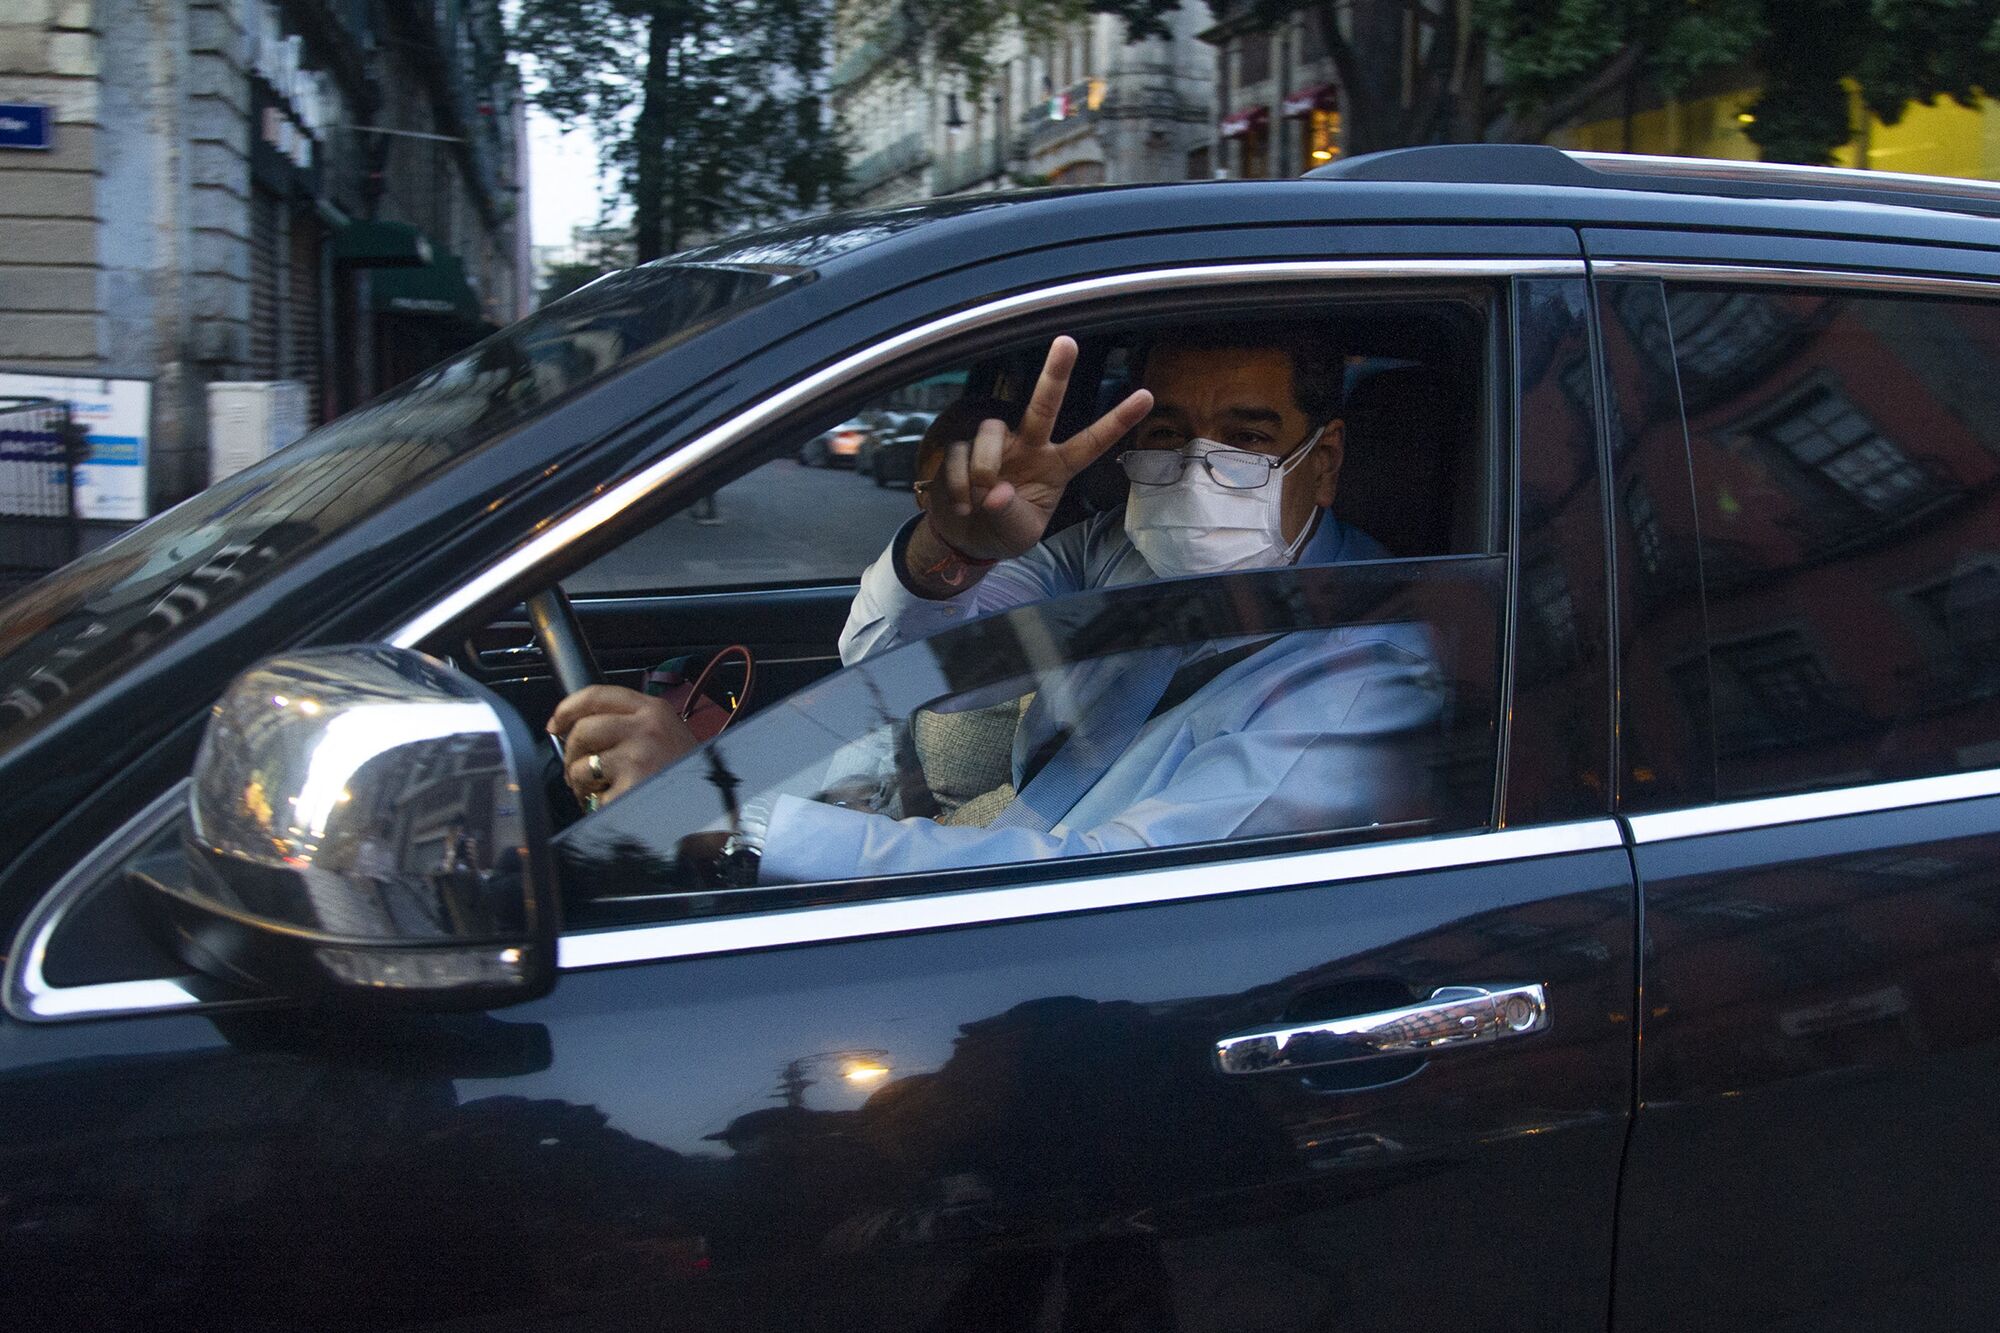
(362, 795)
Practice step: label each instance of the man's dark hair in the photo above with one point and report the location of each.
(1319, 367)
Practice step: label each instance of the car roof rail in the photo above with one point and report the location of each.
(1539, 164)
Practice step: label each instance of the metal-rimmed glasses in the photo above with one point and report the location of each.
(1232, 469)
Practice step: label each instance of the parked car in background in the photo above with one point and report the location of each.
(894, 461)
(839, 447)
(888, 425)
(1666, 1007)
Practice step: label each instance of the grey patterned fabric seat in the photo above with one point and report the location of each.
(968, 759)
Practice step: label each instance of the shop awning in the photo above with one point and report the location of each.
(1319, 97)
(1239, 123)
(438, 288)
(381, 245)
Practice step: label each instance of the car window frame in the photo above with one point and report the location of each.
(753, 435)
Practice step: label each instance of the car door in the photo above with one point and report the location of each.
(1003, 1100)
(1810, 740)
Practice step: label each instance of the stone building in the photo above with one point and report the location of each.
(1277, 99)
(1086, 107)
(330, 192)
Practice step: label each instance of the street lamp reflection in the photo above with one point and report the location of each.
(859, 1067)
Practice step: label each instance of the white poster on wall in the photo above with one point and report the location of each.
(116, 416)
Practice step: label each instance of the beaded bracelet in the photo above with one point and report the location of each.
(950, 571)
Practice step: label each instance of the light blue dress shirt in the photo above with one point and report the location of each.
(1311, 732)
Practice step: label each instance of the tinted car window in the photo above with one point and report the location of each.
(1846, 454)
(1381, 674)
(61, 637)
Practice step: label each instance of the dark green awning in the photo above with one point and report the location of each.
(438, 288)
(381, 245)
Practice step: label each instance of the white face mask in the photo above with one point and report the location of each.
(1196, 525)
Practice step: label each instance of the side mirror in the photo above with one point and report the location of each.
(362, 824)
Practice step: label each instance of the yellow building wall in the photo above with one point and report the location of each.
(1945, 139)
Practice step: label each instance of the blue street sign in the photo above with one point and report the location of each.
(24, 125)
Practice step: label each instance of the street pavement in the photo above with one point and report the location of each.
(783, 523)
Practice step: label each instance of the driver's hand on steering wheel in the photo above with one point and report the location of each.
(630, 735)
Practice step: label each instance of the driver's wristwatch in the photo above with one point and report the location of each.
(743, 850)
(736, 867)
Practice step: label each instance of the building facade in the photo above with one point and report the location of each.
(1085, 107)
(326, 192)
(1277, 100)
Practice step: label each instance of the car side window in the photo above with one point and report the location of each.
(1081, 707)
(1846, 458)
(809, 515)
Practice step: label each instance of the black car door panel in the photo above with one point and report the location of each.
(1818, 1084)
(1810, 538)
(693, 1142)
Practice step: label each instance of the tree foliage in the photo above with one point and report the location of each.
(1806, 54)
(1557, 60)
(712, 113)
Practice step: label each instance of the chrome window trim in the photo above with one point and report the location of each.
(549, 542)
(1144, 888)
(1776, 811)
(30, 998)
(27, 992)
(1779, 275)
(1730, 169)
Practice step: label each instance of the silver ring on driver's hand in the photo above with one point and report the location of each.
(597, 768)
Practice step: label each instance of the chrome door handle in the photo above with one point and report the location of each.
(1453, 1016)
(524, 656)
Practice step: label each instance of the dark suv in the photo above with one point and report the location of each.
(1656, 1004)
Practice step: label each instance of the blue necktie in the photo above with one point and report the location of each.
(1094, 743)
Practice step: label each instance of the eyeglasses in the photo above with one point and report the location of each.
(1233, 469)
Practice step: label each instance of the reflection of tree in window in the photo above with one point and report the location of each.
(1718, 334)
(1690, 681)
(1964, 616)
(1822, 429)
(1575, 381)
(1645, 524)
(1645, 319)
(1769, 688)
(1546, 589)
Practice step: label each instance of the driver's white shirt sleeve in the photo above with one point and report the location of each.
(886, 614)
(1313, 733)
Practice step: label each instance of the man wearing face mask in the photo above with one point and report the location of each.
(1235, 457)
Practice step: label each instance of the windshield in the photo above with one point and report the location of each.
(63, 637)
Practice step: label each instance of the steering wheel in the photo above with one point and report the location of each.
(556, 628)
(560, 634)
(706, 860)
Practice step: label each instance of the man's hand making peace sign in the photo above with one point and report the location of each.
(994, 494)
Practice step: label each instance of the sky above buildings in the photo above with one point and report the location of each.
(562, 179)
